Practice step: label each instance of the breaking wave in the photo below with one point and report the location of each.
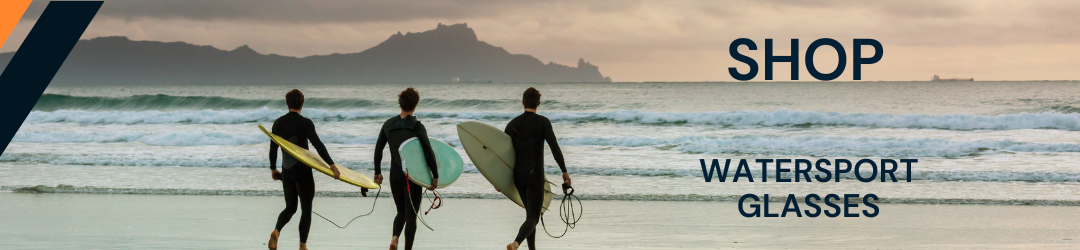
(812, 145)
(825, 146)
(779, 118)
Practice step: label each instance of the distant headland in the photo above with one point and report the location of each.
(449, 53)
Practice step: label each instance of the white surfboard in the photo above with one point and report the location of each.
(493, 154)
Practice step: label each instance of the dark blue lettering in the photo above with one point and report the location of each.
(885, 171)
(780, 171)
(909, 162)
(817, 209)
(764, 169)
(872, 166)
(858, 61)
(805, 173)
(757, 208)
(828, 174)
(734, 50)
(845, 170)
(793, 59)
(792, 205)
(866, 200)
(739, 172)
(828, 202)
(848, 204)
(840, 65)
(715, 168)
(765, 207)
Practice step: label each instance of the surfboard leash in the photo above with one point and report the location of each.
(408, 192)
(436, 202)
(358, 216)
(567, 214)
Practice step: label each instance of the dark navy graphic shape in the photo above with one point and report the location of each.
(38, 58)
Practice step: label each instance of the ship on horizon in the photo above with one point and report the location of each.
(937, 78)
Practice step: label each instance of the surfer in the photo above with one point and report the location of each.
(295, 176)
(407, 194)
(528, 132)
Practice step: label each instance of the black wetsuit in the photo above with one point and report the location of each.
(528, 132)
(296, 176)
(395, 131)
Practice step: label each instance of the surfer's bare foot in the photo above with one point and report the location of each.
(393, 243)
(303, 246)
(513, 246)
(273, 240)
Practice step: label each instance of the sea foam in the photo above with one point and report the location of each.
(779, 118)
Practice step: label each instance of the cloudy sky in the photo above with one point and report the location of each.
(639, 40)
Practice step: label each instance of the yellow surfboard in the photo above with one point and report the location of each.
(316, 162)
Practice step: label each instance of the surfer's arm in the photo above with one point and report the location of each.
(429, 155)
(273, 155)
(313, 137)
(552, 142)
(379, 145)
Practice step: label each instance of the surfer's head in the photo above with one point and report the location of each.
(295, 99)
(408, 99)
(531, 98)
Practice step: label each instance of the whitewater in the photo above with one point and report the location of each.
(977, 143)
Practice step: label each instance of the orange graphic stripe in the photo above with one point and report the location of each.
(10, 13)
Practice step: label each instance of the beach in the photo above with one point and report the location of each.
(112, 221)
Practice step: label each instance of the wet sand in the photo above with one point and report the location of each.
(110, 221)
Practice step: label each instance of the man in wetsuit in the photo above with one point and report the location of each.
(407, 194)
(296, 176)
(528, 132)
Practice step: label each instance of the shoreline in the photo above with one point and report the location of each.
(68, 189)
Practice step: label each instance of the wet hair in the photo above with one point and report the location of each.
(531, 98)
(295, 99)
(408, 99)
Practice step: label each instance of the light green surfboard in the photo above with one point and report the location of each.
(448, 159)
(493, 154)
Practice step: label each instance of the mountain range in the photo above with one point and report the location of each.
(449, 53)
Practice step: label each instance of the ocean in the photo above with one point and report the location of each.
(1012, 143)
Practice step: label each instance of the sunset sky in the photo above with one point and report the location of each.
(639, 40)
